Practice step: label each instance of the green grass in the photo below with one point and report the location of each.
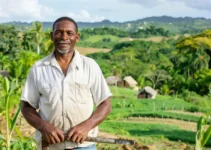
(137, 130)
(169, 115)
(124, 98)
(96, 38)
(125, 104)
(96, 41)
(122, 93)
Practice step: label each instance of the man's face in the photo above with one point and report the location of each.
(64, 36)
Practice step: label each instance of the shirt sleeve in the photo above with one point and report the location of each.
(30, 91)
(99, 88)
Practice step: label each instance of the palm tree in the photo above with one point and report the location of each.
(48, 43)
(200, 60)
(37, 33)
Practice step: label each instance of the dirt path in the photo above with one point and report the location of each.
(190, 126)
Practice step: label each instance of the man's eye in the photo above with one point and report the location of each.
(58, 33)
(70, 33)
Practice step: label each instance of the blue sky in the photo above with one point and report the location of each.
(98, 10)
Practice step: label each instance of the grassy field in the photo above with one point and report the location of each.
(153, 122)
(96, 38)
(85, 51)
(153, 39)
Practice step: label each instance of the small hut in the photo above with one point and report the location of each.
(128, 82)
(147, 92)
(112, 80)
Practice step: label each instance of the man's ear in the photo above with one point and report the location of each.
(78, 37)
(51, 35)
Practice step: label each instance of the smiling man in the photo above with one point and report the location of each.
(61, 90)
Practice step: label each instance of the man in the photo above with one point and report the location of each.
(60, 90)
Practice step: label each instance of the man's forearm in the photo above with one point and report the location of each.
(100, 114)
(31, 115)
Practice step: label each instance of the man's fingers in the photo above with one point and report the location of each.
(69, 135)
(78, 138)
(61, 136)
(52, 140)
(83, 139)
(74, 137)
(56, 138)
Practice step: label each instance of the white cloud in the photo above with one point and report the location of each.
(23, 10)
(196, 4)
(84, 16)
(146, 3)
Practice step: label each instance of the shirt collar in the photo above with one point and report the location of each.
(75, 63)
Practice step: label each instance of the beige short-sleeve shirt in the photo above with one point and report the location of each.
(65, 101)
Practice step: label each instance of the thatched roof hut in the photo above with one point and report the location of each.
(147, 92)
(130, 81)
(112, 80)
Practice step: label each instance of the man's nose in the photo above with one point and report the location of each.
(64, 36)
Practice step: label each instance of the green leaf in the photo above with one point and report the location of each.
(206, 136)
(2, 137)
(5, 86)
(18, 132)
(15, 120)
(200, 123)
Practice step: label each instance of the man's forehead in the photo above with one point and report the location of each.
(64, 24)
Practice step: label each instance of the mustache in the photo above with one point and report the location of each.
(64, 42)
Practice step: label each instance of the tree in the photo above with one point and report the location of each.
(9, 40)
(157, 77)
(202, 81)
(37, 33)
(193, 44)
(4, 61)
(27, 41)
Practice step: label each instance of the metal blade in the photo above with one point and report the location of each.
(109, 140)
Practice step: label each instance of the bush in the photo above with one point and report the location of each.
(193, 109)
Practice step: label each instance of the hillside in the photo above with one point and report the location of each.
(175, 25)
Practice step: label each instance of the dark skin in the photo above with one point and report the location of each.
(65, 31)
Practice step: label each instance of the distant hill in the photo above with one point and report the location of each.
(175, 25)
(168, 19)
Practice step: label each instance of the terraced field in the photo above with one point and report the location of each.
(164, 123)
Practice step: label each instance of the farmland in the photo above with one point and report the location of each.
(164, 122)
(177, 67)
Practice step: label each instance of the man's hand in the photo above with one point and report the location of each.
(51, 134)
(78, 133)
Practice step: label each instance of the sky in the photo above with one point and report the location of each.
(98, 10)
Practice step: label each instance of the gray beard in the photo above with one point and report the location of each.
(63, 51)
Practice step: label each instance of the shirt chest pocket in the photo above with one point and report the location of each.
(82, 93)
(47, 88)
